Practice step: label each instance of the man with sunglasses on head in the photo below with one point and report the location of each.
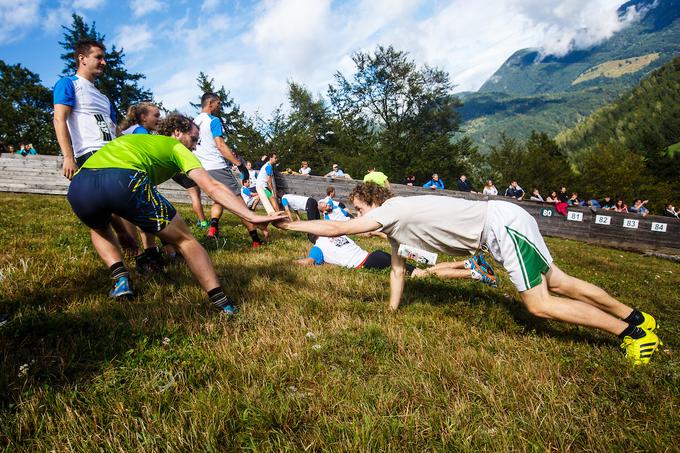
(121, 179)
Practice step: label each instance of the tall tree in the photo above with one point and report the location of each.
(412, 110)
(117, 83)
(25, 109)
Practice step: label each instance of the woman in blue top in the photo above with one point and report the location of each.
(141, 118)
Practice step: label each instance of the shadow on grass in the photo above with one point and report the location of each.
(459, 298)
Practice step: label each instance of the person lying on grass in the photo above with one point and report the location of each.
(343, 251)
(120, 179)
(454, 226)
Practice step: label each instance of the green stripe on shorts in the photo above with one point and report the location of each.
(531, 261)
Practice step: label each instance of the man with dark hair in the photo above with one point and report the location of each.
(120, 179)
(464, 184)
(85, 119)
(217, 158)
(514, 190)
(264, 184)
(511, 234)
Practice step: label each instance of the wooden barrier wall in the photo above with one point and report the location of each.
(42, 174)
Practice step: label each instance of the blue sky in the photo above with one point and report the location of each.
(254, 47)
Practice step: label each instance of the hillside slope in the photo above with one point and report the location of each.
(550, 94)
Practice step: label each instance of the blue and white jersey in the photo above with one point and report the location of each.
(135, 129)
(294, 202)
(92, 122)
(341, 251)
(338, 214)
(247, 195)
(209, 127)
(266, 170)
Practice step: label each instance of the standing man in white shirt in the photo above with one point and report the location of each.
(85, 120)
(217, 158)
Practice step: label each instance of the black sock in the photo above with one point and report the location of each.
(635, 318)
(215, 222)
(254, 236)
(118, 270)
(218, 299)
(632, 331)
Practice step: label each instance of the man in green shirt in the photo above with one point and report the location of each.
(377, 177)
(120, 179)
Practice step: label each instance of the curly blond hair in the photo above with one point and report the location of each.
(370, 193)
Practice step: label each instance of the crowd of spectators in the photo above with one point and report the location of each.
(23, 149)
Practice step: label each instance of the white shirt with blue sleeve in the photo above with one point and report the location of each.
(209, 127)
(92, 122)
(266, 170)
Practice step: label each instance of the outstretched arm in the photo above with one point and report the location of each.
(331, 228)
(396, 278)
(223, 196)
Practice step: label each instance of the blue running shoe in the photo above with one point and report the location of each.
(487, 279)
(483, 264)
(229, 310)
(122, 288)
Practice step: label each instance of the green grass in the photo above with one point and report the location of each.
(314, 360)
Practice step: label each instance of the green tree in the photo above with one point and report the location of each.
(410, 110)
(116, 83)
(506, 162)
(25, 109)
(544, 165)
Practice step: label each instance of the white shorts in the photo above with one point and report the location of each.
(513, 239)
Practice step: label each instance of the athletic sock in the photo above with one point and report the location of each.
(218, 299)
(118, 270)
(635, 318)
(632, 331)
(254, 236)
(215, 222)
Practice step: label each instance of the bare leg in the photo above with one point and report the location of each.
(266, 203)
(177, 233)
(106, 245)
(454, 269)
(196, 204)
(216, 211)
(541, 303)
(148, 239)
(561, 283)
(127, 234)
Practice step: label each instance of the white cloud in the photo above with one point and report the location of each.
(87, 4)
(134, 38)
(17, 18)
(142, 7)
(209, 5)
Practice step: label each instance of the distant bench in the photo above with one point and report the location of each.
(42, 174)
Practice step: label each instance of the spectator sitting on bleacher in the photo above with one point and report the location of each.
(410, 180)
(305, 169)
(593, 204)
(552, 198)
(434, 183)
(514, 191)
(337, 172)
(562, 196)
(573, 200)
(669, 211)
(620, 206)
(30, 150)
(607, 203)
(489, 188)
(535, 195)
(639, 207)
(464, 185)
(22, 150)
(377, 177)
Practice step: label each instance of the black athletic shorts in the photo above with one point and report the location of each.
(183, 180)
(95, 194)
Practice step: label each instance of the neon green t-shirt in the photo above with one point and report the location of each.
(376, 177)
(158, 156)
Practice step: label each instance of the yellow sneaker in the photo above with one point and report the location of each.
(640, 351)
(649, 324)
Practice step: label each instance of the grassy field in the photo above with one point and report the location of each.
(314, 361)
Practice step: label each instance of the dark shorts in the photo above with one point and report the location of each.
(184, 181)
(95, 194)
(227, 178)
(80, 160)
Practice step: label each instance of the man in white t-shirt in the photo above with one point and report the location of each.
(85, 120)
(454, 226)
(265, 184)
(217, 158)
(332, 211)
(292, 203)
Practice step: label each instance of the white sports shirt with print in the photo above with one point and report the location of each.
(294, 202)
(206, 149)
(92, 121)
(341, 251)
(266, 170)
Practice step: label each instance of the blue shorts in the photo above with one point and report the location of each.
(95, 194)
